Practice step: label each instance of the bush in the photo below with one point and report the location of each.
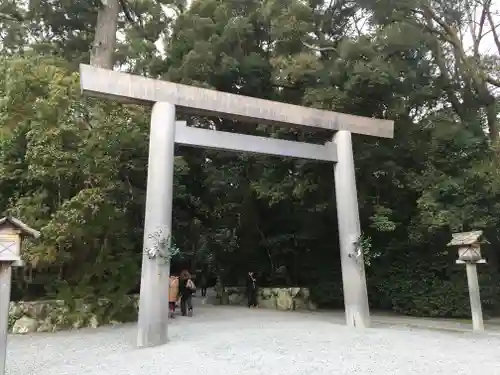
(433, 293)
(327, 294)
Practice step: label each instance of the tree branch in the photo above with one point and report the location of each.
(451, 93)
(126, 11)
(11, 17)
(449, 33)
(477, 37)
(493, 81)
(493, 30)
(319, 49)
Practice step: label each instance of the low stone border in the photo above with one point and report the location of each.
(56, 315)
(272, 298)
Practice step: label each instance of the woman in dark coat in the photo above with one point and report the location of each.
(186, 290)
(203, 283)
(251, 289)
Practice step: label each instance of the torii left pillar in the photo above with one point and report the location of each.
(153, 303)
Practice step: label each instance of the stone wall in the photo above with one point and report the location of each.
(272, 298)
(54, 315)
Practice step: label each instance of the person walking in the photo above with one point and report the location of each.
(203, 283)
(251, 290)
(173, 294)
(186, 290)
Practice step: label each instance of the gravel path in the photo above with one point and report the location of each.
(238, 341)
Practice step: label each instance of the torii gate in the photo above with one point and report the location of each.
(165, 132)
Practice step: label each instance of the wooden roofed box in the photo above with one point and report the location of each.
(469, 245)
(12, 232)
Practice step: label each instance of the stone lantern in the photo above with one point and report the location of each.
(468, 245)
(12, 232)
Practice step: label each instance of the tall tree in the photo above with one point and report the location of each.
(103, 47)
(455, 31)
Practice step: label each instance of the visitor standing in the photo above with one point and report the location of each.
(251, 289)
(203, 283)
(186, 290)
(173, 294)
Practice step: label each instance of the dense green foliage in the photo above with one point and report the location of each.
(76, 168)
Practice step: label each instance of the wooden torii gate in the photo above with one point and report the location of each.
(166, 97)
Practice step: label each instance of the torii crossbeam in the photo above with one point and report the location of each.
(166, 97)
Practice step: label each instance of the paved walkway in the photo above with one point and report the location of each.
(384, 319)
(240, 341)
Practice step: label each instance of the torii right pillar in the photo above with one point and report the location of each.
(357, 310)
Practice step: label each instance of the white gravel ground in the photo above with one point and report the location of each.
(239, 341)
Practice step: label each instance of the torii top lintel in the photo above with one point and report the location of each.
(128, 88)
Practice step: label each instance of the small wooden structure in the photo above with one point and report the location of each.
(469, 253)
(469, 246)
(12, 232)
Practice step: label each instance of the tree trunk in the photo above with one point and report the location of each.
(104, 44)
(491, 115)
